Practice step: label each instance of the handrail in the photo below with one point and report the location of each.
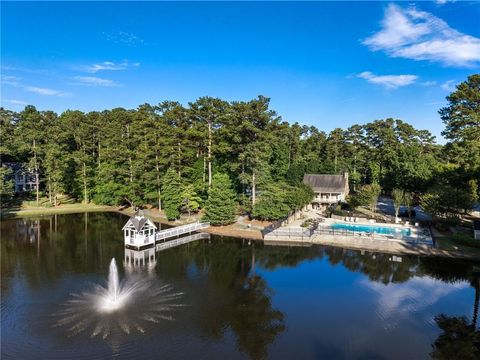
(179, 230)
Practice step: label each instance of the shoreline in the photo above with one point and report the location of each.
(250, 234)
(227, 231)
(377, 246)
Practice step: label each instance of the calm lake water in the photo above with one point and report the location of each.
(239, 300)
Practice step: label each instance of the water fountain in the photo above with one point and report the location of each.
(119, 307)
(114, 298)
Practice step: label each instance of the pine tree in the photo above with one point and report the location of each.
(272, 204)
(7, 150)
(29, 135)
(6, 183)
(190, 200)
(56, 157)
(172, 194)
(221, 205)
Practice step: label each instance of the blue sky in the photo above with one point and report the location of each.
(328, 64)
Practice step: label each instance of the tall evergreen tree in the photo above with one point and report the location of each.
(30, 137)
(462, 123)
(172, 194)
(220, 207)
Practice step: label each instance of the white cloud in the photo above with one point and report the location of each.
(448, 85)
(411, 296)
(443, 2)
(94, 81)
(125, 38)
(418, 35)
(388, 81)
(14, 81)
(108, 65)
(45, 91)
(26, 70)
(15, 102)
(10, 80)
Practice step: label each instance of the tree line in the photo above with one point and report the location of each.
(170, 156)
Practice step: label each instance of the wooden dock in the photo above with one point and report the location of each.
(180, 241)
(147, 238)
(180, 230)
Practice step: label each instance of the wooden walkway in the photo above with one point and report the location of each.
(180, 230)
(180, 241)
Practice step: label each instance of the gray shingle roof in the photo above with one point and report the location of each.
(138, 221)
(16, 167)
(325, 183)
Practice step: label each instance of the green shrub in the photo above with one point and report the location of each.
(307, 223)
(466, 240)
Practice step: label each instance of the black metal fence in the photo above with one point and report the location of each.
(275, 225)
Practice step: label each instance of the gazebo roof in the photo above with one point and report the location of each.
(138, 220)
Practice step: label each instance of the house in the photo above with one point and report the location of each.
(476, 229)
(139, 231)
(475, 210)
(329, 189)
(24, 179)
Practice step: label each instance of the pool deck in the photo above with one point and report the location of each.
(418, 243)
(374, 245)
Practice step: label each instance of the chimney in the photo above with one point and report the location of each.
(347, 185)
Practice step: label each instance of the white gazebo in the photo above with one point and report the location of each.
(139, 231)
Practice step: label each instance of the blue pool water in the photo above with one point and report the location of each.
(371, 228)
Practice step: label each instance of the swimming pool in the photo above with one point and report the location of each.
(372, 228)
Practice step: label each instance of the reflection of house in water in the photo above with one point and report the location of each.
(27, 231)
(135, 258)
(141, 237)
(147, 256)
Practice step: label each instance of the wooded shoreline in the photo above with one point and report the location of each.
(249, 234)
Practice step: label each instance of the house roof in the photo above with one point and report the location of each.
(16, 167)
(138, 220)
(476, 224)
(325, 183)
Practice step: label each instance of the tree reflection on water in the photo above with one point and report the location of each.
(228, 297)
(459, 338)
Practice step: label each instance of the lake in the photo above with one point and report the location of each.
(219, 298)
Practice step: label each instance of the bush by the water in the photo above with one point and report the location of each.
(466, 240)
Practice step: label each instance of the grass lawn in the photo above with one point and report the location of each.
(67, 206)
(448, 243)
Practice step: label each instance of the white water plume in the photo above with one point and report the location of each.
(120, 307)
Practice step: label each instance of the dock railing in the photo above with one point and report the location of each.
(180, 230)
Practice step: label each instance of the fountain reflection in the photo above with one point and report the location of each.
(120, 307)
